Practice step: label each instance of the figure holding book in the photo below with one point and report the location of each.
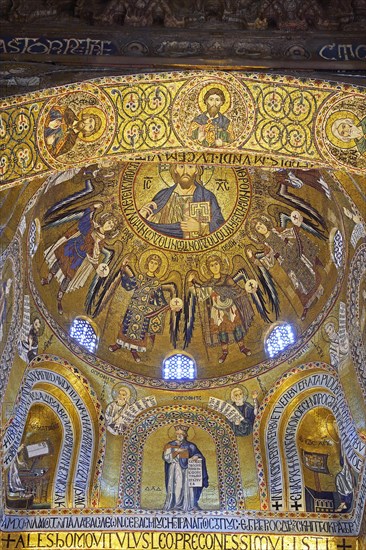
(183, 490)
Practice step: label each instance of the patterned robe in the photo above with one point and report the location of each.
(144, 315)
(179, 496)
(297, 255)
(77, 253)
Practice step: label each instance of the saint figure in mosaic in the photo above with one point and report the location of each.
(248, 412)
(295, 253)
(75, 255)
(211, 128)
(114, 417)
(185, 473)
(144, 317)
(348, 132)
(227, 312)
(64, 128)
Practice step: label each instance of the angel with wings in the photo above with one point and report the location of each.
(228, 312)
(292, 249)
(88, 244)
(147, 304)
(72, 258)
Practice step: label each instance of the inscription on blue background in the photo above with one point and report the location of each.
(57, 46)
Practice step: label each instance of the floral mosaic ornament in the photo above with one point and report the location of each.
(269, 120)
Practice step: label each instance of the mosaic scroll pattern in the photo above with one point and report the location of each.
(287, 120)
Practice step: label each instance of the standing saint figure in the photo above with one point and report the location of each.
(212, 128)
(180, 495)
(77, 253)
(144, 316)
(185, 210)
(295, 253)
(227, 311)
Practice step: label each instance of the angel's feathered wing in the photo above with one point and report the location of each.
(294, 200)
(190, 303)
(172, 288)
(270, 289)
(257, 296)
(307, 225)
(99, 298)
(100, 286)
(75, 203)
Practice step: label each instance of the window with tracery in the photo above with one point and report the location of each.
(279, 339)
(82, 331)
(179, 366)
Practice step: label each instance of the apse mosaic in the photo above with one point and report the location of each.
(182, 309)
(186, 257)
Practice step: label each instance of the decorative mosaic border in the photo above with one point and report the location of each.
(231, 494)
(268, 402)
(358, 347)
(280, 114)
(34, 367)
(14, 255)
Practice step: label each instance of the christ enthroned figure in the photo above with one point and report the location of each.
(187, 209)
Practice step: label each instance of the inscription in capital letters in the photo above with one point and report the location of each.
(353, 445)
(147, 540)
(201, 211)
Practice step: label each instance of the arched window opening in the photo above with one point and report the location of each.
(179, 366)
(279, 339)
(83, 332)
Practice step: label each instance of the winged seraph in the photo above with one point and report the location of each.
(150, 294)
(87, 244)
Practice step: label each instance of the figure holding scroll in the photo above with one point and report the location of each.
(248, 412)
(114, 411)
(183, 485)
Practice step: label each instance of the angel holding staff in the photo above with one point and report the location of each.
(147, 303)
(227, 311)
